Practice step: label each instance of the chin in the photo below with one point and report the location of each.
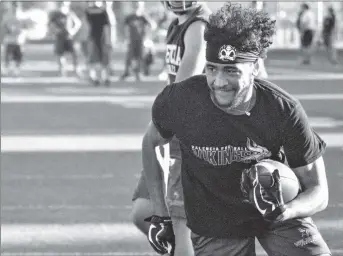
(223, 103)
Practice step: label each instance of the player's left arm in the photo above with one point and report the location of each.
(304, 150)
(110, 31)
(315, 193)
(193, 60)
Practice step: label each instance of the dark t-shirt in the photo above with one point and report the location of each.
(138, 25)
(97, 19)
(216, 147)
(329, 24)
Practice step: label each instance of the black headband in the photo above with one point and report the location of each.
(227, 54)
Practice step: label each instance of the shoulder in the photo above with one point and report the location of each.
(195, 30)
(274, 94)
(190, 86)
(183, 89)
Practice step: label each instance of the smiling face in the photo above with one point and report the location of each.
(230, 84)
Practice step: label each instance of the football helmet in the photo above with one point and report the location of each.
(180, 6)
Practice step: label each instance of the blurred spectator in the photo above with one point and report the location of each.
(101, 38)
(136, 33)
(81, 38)
(328, 33)
(14, 38)
(307, 25)
(64, 24)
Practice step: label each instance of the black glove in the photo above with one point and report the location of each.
(268, 201)
(161, 235)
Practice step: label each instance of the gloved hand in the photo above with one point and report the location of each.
(280, 157)
(161, 235)
(268, 201)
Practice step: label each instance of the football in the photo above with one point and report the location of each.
(289, 182)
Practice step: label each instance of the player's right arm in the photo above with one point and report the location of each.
(193, 60)
(153, 175)
(159, 132)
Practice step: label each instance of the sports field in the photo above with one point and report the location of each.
(70, 154)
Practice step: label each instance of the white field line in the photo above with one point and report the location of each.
(81, 254)
(258, 253)
(59, 207)
(92, 233)
(48, 80)
(74, 99)
(95, 143)
(71, 143)
(325, 122)
(61, 177)
(56, 80)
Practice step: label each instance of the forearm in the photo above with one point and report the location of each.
(153, 177)
(307, 203)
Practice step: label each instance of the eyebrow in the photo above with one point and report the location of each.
(224, 67)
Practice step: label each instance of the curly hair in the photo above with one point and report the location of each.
(247, 29)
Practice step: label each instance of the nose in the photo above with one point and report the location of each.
(220, 80)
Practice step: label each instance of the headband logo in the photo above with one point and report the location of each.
(227, 52)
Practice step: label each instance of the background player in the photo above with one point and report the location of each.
(14, 38)
(136, 32)
(185, 57)
(102, 36)
(64, 24)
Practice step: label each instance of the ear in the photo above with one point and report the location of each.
(256, 67)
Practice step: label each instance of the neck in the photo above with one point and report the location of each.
(183, 18)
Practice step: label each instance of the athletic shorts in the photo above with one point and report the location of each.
(174, 198)
(63, 45)
(99, 52)
(297, 237)
(135, 51)
(307, 37)
(13, 52)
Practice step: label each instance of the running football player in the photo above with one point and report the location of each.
(226, 121)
